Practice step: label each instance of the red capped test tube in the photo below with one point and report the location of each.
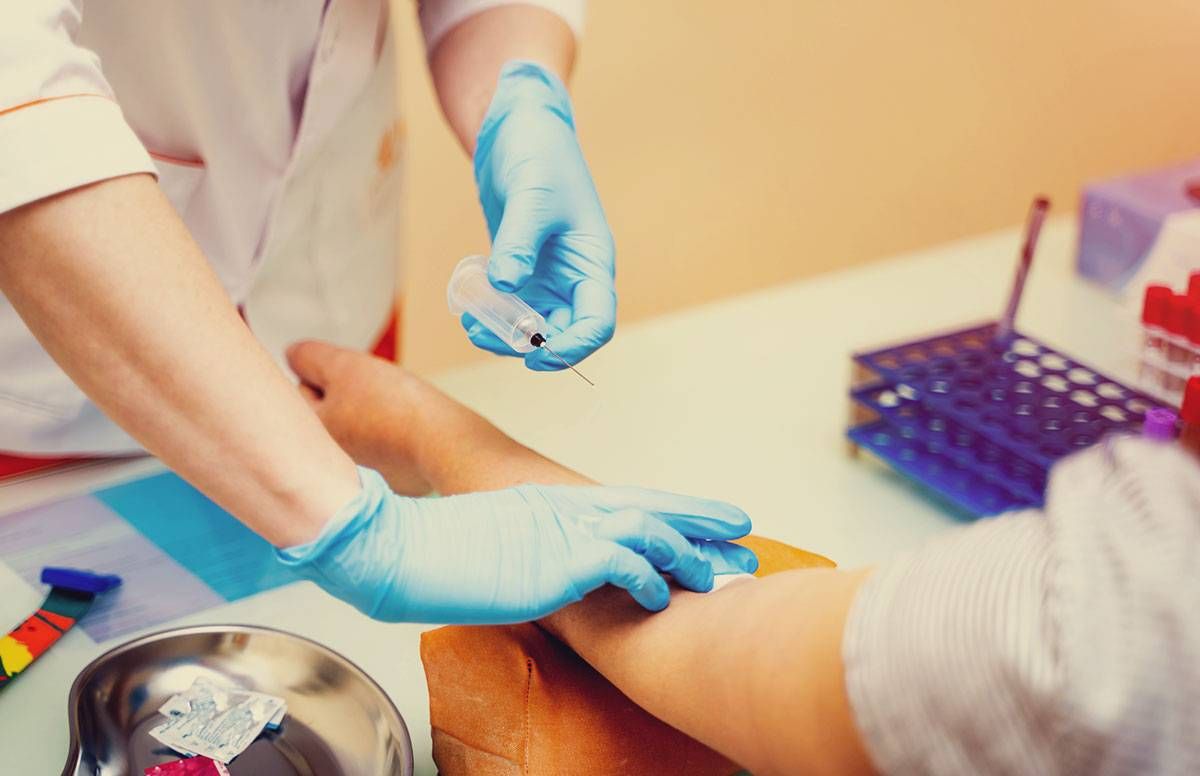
(1193, 290)
(1189, 417)
(1154, 336)
(1194, 337)
(1179, 352)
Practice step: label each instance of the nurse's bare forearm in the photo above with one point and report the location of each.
(113, 286)
(753, 670)
(466, 62)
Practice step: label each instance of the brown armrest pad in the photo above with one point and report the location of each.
(513, 701)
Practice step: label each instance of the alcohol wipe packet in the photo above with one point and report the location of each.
(216, 721)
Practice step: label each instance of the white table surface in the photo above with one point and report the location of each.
(742, 399)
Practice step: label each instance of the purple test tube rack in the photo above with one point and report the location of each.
(979, 419)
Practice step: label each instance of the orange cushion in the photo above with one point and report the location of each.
(514, 701)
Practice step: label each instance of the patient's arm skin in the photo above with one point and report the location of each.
(754, 671)
(413, 434)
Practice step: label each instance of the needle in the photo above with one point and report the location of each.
(568, 366)
(540, 341)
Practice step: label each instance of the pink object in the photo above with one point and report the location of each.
(189, 766)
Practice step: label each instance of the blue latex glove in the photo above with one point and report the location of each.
(518, 554)
(550, 241)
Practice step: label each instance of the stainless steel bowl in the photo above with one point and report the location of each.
(339, 722)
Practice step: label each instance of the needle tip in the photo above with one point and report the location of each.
(565, 363)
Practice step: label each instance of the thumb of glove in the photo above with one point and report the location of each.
(524, 228)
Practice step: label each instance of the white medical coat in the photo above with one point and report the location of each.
(273, 130)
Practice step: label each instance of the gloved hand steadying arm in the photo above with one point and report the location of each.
(517, 554)
(550, 241)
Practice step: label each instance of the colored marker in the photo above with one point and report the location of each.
(72, 592)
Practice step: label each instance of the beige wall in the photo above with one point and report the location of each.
(740, 144)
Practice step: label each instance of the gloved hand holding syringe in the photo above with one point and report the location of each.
(506, 315)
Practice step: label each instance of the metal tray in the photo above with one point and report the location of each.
(339, 722)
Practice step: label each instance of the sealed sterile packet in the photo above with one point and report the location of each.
(215, 721)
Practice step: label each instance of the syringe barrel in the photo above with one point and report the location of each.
(505, 315)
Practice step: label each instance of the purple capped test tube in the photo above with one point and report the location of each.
(1160, 424)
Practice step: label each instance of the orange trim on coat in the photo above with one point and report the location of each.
(42, 100)
(198, 163)
(153, 154)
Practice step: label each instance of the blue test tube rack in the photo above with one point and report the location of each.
(979, 419)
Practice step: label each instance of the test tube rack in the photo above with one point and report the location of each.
(979, 419)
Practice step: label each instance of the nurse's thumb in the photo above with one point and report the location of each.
(523, 230)
(313, 361)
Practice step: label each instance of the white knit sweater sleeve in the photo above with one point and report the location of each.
(1065, 641)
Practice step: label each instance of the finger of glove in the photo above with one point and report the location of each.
(593, 321)
(695, 518)
(558, 319)
(629, 571)
(524, 226)
(482, 338)
(660, 544)
(728, 558)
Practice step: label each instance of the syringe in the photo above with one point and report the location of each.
(506, 315)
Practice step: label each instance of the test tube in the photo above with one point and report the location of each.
(1194, 338)
(1033, 228)
(1189, 417)
(1154, 317)
(1179, 354)
(1159, 425)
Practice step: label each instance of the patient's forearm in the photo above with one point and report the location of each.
(461, 452)
(753, 670)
